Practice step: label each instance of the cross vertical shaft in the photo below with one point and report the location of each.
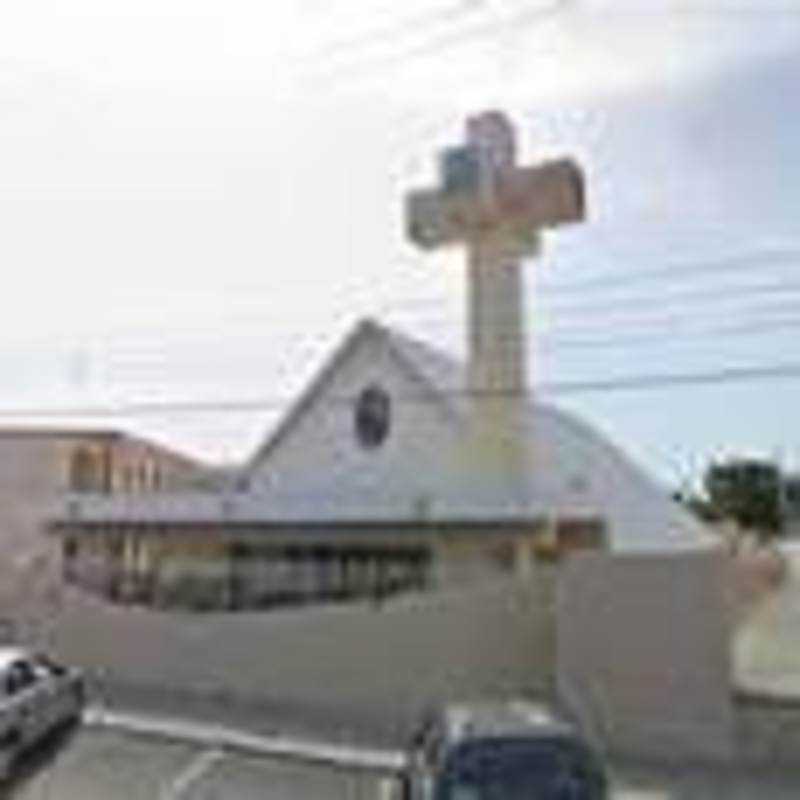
(497, 352)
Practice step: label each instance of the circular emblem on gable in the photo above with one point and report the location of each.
(372, 417)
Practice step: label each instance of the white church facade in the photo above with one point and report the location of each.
(400, 467)
(361, 491)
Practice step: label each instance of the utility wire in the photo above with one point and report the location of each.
(732, 263)
(678, 320)
(444, 40)
(667, 334)
(450, 34)
(391, 33)
(595, 287)
(746, 263)
(631, 382)
(688, 295)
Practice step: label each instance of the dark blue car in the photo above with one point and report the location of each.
(501, 751)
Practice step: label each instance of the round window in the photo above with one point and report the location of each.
(372, 417)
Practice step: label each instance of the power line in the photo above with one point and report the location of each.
(673, 323)
(656, 380)
(624, 383)
(735, 262)
(637, 337)
(391, 33)
(453, 34)
(688, 295)
(446, 40)
(671, 328)
(730, 263)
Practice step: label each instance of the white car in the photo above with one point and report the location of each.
(37, 696)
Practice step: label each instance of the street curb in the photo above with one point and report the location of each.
(233, 740)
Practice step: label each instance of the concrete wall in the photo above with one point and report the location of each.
(643, 652)
(768, 729)
(368, 666)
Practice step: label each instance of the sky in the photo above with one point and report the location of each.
(199, 199)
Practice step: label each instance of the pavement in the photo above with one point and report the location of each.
(105, 764)
(104, 760)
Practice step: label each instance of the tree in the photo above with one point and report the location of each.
(748, 491)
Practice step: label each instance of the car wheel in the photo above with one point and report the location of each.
(78, 702)
(404, 788)
(8, 754)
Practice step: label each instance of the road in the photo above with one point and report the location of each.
(99, 764)
(109, 765)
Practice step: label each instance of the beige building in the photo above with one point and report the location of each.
(37, 467)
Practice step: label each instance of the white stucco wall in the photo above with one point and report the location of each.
(320, 461)
(576, 465)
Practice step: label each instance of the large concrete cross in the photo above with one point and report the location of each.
(497, 209)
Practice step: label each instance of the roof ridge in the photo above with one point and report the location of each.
(396, 333)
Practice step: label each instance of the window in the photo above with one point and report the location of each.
(46, 667)
(372, 417)
(20, 676)
(85, 472)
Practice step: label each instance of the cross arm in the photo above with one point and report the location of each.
(522, 202)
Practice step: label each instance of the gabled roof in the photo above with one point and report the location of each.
(442, 375)
(442, 371)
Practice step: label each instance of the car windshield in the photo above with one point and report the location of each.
(45, 665)
(520, 770)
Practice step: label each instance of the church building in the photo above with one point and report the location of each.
(399, 468)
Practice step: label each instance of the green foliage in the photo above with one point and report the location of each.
(747, 491)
